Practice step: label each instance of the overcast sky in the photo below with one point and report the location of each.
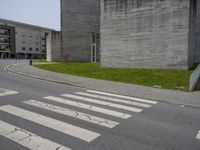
(44, 13)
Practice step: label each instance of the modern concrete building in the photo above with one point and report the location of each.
(80, 28)
(20, 40)
(134, 33)
(150, 33)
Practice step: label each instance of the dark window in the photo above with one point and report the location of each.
(37, 49)
(93, 38)
(30, 49)
(23, 48)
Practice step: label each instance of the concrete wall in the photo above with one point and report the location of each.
(197, 36)
(145, 33)
(55, 50)
(79, 19)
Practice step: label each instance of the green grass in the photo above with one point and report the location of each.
(169, 79)
(39, 60)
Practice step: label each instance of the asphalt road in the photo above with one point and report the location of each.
(41, 115)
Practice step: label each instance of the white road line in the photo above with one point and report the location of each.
(89, 107)
(122, 96)
(114, 99)
(5, 92)
(72, 113)
(85, 99)
(60, 126)
(198, 135)
(28, 139)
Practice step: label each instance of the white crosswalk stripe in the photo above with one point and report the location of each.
(114, 99)
(198, 135)
(35, 142)
(5, 92)
(122, 96)
(28, 139)
(60, 126)
(89, 107)
(75, 114)
(85, 99)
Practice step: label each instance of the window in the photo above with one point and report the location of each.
(37, 49)
(30, 49)
(37, 43)
(23, 48)
(93, 38)
(30, 36)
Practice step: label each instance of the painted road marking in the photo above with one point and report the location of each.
(5, 92)
(72, 113)
(85, 99)
(198, 135)
(122, 96)
(60, 126)
(114, 99)
(28, 139)
(89, 107)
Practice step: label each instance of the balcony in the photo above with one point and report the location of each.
(5, 50)
(4, 43)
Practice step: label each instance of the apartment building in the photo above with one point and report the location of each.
(20, 40)
(7, 41)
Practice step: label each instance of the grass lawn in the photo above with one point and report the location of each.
(169, 79)
(39, 60)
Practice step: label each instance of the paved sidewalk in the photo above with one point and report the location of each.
(185, 98)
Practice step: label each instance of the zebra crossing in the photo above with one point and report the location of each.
(28, 139)
(198, 135)
(117, 106)
(5, 92)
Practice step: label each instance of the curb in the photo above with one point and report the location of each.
(7, 69)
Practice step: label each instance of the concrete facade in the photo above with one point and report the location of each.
(54, 49)
(79, 21)
(30, 40)
(145, 33)
(197, 32)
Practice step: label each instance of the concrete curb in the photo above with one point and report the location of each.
(7, 68)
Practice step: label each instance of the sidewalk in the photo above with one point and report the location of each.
(185, 98)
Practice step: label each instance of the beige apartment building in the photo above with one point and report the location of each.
(20, 40)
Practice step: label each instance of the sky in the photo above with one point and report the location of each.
(45, 13)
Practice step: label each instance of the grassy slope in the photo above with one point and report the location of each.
(39, 60)
(170, 79)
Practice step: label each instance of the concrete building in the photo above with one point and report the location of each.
(7, 41)
(20, 40)
(54, 49)
(80, 28)
(150, 33)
